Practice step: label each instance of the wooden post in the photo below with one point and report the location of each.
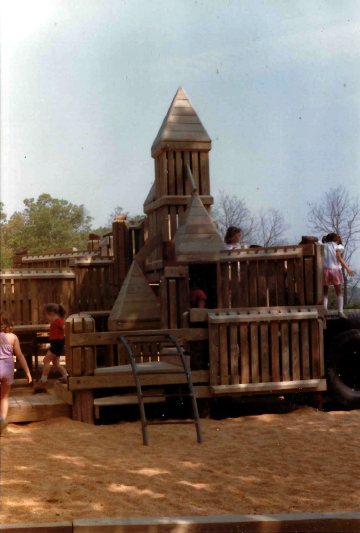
(81, 361)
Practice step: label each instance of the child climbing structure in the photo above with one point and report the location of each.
(262, 329)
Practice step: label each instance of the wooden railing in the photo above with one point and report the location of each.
(250, 350)
(277, 276)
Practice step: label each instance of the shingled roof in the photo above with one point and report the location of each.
(181, 125)
(197, 227)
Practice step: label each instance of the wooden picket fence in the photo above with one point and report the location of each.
(265, 346)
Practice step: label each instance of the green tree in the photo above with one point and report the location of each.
(6, 252)
(45, 223)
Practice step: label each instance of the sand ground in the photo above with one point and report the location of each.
(304, 461)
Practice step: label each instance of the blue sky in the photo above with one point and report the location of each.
(86, 84)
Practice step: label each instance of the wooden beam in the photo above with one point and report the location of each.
(271, 387)
(111, 380)
(46, 527)
(201, 315)
(266, 523)
(112, 337)
(52, 273)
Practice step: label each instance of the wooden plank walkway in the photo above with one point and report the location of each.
(36, 407)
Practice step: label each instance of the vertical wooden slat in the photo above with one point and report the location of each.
(254, 344)
(244, 284)
(214, 353)
(34, 302)
(319, 286)
(225, 269)
(172, 190)
(275, 362)
(164, 186)
(295, 350)
(173, 307)
(305, 352)
(262, 284)
(186, 161)
(164, 215)
(164, 303)
(264, 346)
(299, 277)
(184, 294)
(234, 354)
(281, 287)
(224, 355)
(235, 297)
(271, 280)
(309, 280)
(315, 349)
(285, 351)
(244, 354)
(179, 174)
(204, 173)
(195, 169)
(253, 292)
(291, 282)
(321, 347)
(157, 178)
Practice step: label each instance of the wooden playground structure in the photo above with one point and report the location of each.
(262, 330)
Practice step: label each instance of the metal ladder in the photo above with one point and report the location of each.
(153, 368)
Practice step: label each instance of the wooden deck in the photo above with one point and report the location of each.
(25, 406)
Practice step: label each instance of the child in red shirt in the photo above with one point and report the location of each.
(54, 313)
(197, 298)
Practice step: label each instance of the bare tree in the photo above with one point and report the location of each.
(338, 213)
(354, 290)
(271, 228)
(232, 211)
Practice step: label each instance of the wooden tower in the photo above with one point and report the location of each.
(181, 141)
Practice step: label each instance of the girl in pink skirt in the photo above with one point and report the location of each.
(333, 262)
(9, 346)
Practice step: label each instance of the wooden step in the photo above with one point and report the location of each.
(36, 407)
(160, 367)
(125, 399)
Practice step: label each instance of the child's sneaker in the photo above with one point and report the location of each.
(341, 315)
(3, 425)
(40, 386)
(63, 380)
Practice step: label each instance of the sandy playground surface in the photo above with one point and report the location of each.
(305, 461)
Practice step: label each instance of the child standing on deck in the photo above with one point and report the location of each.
(333, 262)
(54, 313)
(232, 238)
(9, 346)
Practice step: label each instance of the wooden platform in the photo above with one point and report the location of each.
(36, 407)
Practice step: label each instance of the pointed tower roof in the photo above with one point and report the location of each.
(136, 307)
(181, 125)
(197, 227)
(152, 194)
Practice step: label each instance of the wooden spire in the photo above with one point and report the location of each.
(136, 307)
(197, 227)
(181, 127)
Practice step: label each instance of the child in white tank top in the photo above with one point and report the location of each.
(333, 262)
